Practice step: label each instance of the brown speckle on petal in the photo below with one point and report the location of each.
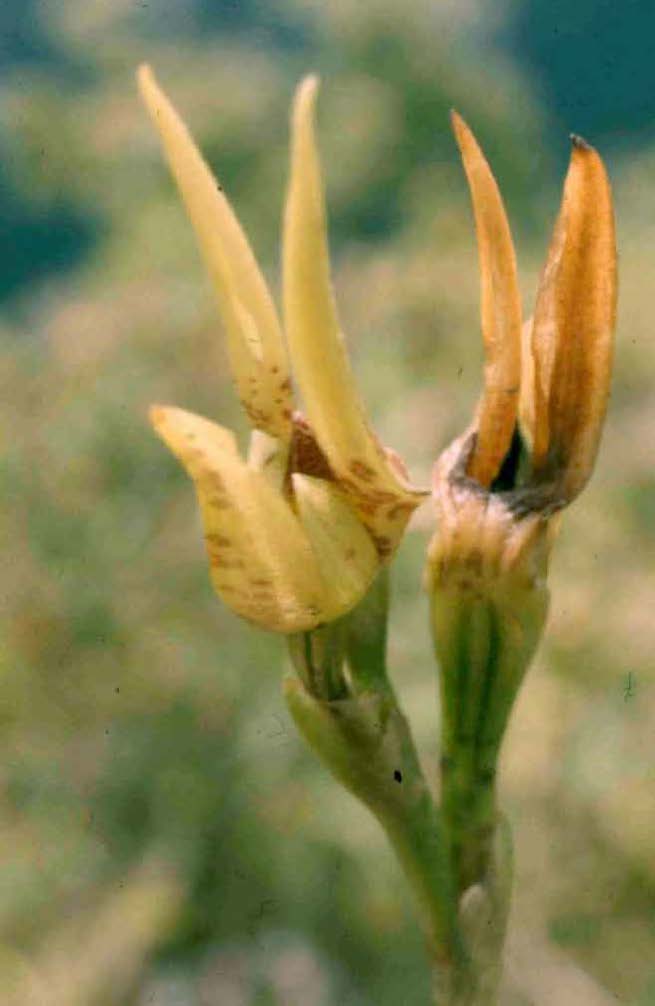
(305, 455)
(220, 540)
(362, 471)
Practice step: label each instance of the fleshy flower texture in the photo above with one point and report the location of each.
(297, 532)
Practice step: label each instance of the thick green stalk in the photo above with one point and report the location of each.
(485, 633)
(344, 706)
(483, 913)
(365, 742)
(472, 673)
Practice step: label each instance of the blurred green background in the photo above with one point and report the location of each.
(164, 837)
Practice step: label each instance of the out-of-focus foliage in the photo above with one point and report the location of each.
(146, 754)
(592, 62)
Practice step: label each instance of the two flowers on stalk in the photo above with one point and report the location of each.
(297, 532)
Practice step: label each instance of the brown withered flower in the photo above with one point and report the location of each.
(499, 487)
(532, 445)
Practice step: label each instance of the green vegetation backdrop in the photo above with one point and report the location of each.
(164, 836)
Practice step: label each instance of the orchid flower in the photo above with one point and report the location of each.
(297, 531)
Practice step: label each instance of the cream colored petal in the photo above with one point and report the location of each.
(189, 436)
(574, 326)
(269, 456)
(500, 309)
(317, 348)
(343, 547)
(256, 347)
(261, 562)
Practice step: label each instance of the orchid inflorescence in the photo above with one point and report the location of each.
(300, 533)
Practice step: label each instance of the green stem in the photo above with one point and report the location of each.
(469, 810)
(365, 742)
(344, 706)
(483, 657)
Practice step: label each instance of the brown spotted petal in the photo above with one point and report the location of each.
(572, 337)
(383, 499)
(500, 309)
(285, 569)
(262, 565)
(256, 348)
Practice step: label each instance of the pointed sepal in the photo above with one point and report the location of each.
(262, 564)
(573, 328)
(379, 493)
(256, 348)
(500, 310)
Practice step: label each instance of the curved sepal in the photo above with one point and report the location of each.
(500, 310)
(256, 347)
(380, 495)
(573, 329)
(261, 562)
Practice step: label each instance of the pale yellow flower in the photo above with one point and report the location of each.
(296, 533)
